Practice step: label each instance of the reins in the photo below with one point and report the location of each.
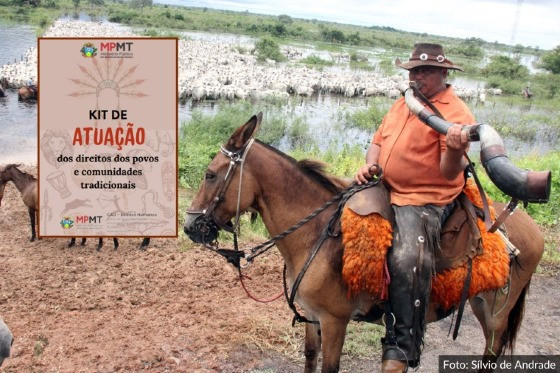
(234, 256)
(328, 231)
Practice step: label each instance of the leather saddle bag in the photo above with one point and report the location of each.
(460, 237)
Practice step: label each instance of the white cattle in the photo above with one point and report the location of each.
(211, 69)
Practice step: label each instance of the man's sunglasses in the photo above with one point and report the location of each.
(424, 70)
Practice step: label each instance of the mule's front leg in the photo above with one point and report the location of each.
(99, 245)
(144, 244)
(32, 220)
(312, 346)
(333, 331)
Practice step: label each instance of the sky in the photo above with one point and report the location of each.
(527, 22)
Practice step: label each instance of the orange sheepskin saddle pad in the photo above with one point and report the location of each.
(366, 240)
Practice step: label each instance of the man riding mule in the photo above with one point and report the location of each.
(300, 206)
(423, 171)
(249, 175)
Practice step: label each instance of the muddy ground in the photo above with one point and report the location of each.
(178, 308)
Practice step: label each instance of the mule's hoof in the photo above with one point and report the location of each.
(32, 239)
(98, 247)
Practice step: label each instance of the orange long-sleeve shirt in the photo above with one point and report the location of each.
(411, 152)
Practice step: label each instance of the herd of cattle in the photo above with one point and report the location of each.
(217, 69)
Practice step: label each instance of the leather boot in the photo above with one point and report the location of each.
(393, 366)
(410, 263)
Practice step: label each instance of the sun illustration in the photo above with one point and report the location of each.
(115, 76)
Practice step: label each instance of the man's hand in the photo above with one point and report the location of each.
(366, 172)
(457, 139)
(452, 161)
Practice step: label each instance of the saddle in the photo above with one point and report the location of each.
(460, 236)
(366, 226)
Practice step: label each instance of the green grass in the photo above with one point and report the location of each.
(40, 17)
(200, 137)
(335, 48)
(316, 61)
(361, 65)
(368, 119)
(518, 101)
(387, 66)
(161, 33)
(268, 49)
(550, 262)
(363, 340)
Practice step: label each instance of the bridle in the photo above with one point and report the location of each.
(207, 223)
(235, 159)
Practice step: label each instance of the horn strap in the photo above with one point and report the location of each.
(526, 186)
(470, 166)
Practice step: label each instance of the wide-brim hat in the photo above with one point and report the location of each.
(427, 54)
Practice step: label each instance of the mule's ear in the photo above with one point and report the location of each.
(11, 165)
(245, 133)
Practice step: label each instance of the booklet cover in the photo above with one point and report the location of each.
(107, 128)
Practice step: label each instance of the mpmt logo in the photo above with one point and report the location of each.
(84, 219)
(88, 50)
(117, 47)
(67, 222)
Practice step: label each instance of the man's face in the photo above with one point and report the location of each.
(429, 79)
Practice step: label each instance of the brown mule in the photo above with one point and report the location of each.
(284, 191)
(27, 185)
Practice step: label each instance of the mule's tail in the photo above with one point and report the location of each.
(514, 322)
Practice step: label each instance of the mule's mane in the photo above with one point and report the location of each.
(315, 170)
(23, 173)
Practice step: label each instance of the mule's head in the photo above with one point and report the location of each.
(228, 188)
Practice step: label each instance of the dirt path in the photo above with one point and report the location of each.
(174, 310)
